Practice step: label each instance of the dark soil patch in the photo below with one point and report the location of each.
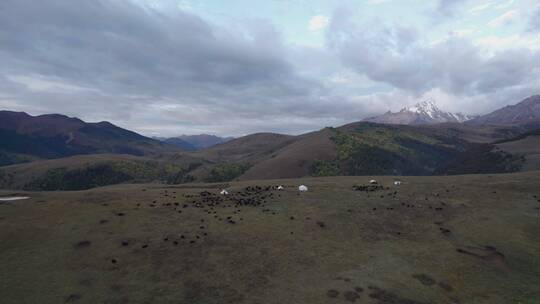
(488, 254)
(368, 188)
(351, 296)
(385, 297)
(73, 298)
(332, 293)
(82, 244)
(446, 286)
(199, 292)
(424, 279)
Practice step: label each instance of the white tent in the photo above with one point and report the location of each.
(373, 182)
(13, 198)
(224, 192)
(397, 183)
(280, 187)
(302, 188)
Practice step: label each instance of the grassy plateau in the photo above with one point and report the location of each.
(444, 239)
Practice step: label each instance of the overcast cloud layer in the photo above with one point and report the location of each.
(169, 70)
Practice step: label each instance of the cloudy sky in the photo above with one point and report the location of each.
(170, 67)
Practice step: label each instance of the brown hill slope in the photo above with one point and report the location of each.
(367, 148)
(478, 134)
(247, 148)
(202, 141)
(295, 159)
(527, 146)
(360, 148)
(229, 160)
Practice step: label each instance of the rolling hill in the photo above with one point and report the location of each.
(25, 137)
(361, 148)
(203, 141)
(355, 149)
(294, 159)
(220, 163)
(247, 148)
(179, 143)
(527, 145)
(194, 142)
(89, 171)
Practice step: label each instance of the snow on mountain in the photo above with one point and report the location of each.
(425, 112)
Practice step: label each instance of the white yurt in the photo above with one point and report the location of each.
(302, 188)
(397, 183)
(224, 192)
(280, 187)
(373, 182)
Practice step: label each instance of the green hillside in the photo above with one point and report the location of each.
(382, 149)
(85, 172)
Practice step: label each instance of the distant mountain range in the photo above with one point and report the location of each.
(526, 113)
(196, 142)
(506, 140)
(24, 137)
(425, 112)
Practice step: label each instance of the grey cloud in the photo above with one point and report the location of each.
(396, 56)
(534, 21)
(448, 7)
(136, 59)
(119, 43)
(177, 73)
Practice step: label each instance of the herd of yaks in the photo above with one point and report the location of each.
(304, 188)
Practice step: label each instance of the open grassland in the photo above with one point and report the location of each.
(457, 239)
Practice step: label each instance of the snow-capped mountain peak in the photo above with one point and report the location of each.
(424, 112)
(426, 107)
